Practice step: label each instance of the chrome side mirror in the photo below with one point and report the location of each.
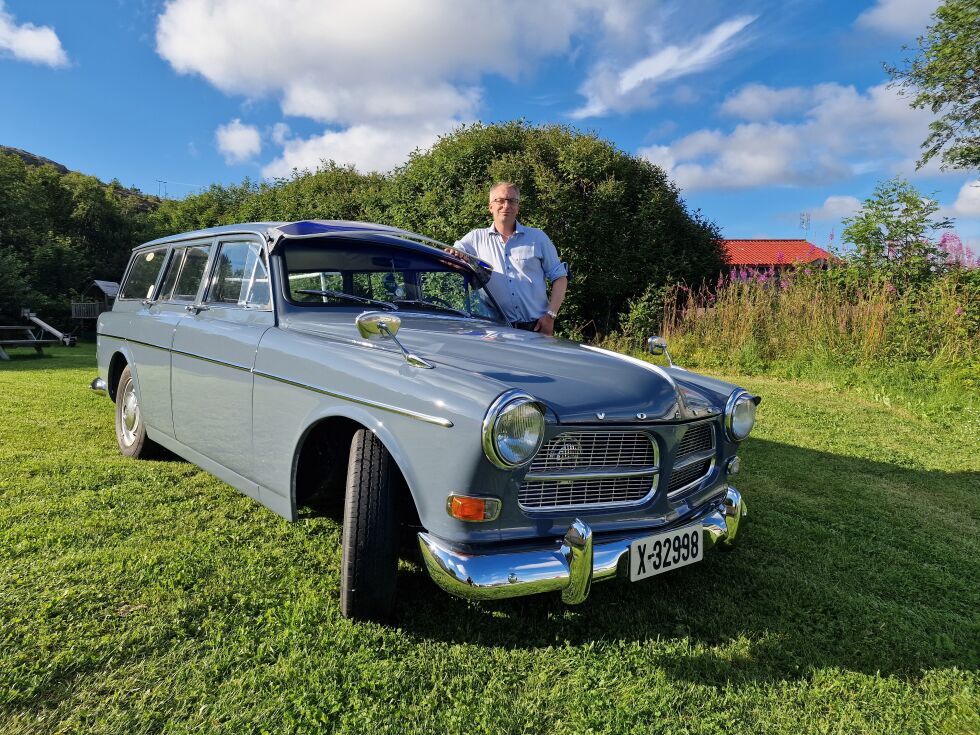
(658, 346)
(375, 325)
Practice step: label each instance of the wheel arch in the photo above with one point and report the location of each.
(319, 467)
(117, 364)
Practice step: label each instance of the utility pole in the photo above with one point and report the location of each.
(164, 183)
(805, 224)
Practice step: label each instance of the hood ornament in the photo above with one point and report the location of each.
(600, 416)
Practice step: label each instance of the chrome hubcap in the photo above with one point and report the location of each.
(130, 414)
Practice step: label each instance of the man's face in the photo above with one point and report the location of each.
(504, 205)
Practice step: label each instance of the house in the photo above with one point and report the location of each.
(776, 254)
(96, 298)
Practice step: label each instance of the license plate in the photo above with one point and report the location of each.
(665, 551)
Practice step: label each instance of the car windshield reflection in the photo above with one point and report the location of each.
(341, 273)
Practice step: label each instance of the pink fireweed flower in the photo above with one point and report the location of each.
(780, 256)
(960, 311)
(889, 287)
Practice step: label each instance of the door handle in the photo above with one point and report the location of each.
(196, 308)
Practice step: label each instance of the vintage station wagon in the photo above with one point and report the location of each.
(367, 364)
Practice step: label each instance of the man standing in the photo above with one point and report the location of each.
(523, 259)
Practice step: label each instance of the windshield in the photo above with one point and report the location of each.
(337, 272)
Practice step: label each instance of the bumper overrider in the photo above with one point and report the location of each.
(569, 565)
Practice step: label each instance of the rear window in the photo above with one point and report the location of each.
(143, 274)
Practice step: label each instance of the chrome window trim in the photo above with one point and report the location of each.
(652, 470)
(219, 243)
(129, 267)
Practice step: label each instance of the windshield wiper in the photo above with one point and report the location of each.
(341, 296)
(431, 305)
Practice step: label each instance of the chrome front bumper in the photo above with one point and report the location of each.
(569, 566)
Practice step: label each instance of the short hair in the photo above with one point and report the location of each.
(509, 185)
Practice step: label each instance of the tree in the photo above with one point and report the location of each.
(944, 76)
(616, 218)
(892, 231)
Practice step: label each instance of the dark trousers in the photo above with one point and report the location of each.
(526, 326)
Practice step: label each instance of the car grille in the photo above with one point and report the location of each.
(694, 458)
(591, 468)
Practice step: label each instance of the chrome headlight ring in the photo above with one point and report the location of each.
(504, 404)
(740, 414)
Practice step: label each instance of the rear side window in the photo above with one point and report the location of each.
(240, 276)
(184, 274)
(143, 275)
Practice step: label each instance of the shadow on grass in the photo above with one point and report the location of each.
(844, 563)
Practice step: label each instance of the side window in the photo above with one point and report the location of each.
(240, 276)
(173, 270)
(191, 273)
(143, 275)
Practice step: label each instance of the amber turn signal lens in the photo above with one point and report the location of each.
(467, 508)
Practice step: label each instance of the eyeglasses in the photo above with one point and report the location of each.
(502, 200)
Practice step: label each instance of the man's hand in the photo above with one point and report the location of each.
(545, 325)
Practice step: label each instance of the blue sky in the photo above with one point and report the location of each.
(759, 110)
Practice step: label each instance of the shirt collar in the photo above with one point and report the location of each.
(518, 229)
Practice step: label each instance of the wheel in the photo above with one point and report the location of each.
(370, 545)
(130, 429)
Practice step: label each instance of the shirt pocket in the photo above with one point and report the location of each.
(524, 253)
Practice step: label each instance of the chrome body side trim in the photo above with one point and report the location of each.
(569, 565)
(437, 420)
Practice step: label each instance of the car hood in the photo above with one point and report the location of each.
(579, 383)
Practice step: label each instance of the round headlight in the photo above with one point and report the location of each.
(740, 415)
(513, 429)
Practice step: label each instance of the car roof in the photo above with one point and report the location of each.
(273, 233)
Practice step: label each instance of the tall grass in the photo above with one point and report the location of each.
(919, 342)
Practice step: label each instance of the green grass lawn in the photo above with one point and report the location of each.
(150, 597)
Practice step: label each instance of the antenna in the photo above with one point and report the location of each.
(805, 224)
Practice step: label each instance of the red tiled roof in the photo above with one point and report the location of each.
(772, 252)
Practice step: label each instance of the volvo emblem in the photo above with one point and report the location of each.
(641, 416)
(600, 416)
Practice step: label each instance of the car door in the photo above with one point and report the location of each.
(214, 353)
(150, 333)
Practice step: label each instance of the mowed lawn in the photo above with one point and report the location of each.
(145, 597)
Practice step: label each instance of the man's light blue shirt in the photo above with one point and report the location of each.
(521, 267)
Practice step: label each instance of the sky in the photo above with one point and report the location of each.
(760, 111)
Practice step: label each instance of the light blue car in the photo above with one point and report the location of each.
(320, 361)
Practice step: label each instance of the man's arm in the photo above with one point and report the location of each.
(546, 324)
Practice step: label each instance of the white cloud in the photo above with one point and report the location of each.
(374, 147)
(967, 203)
(609, 89)
(836, 207)
(280, 133)
(238, 142)
(370, 66)
(28, 42)
(841, 132)
(898, 17)
(759, 102)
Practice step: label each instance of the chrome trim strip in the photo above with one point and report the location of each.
(231, 365)
(584, 475)
(694, 457)
(563, 565)
(681, 490)
(437, 420)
